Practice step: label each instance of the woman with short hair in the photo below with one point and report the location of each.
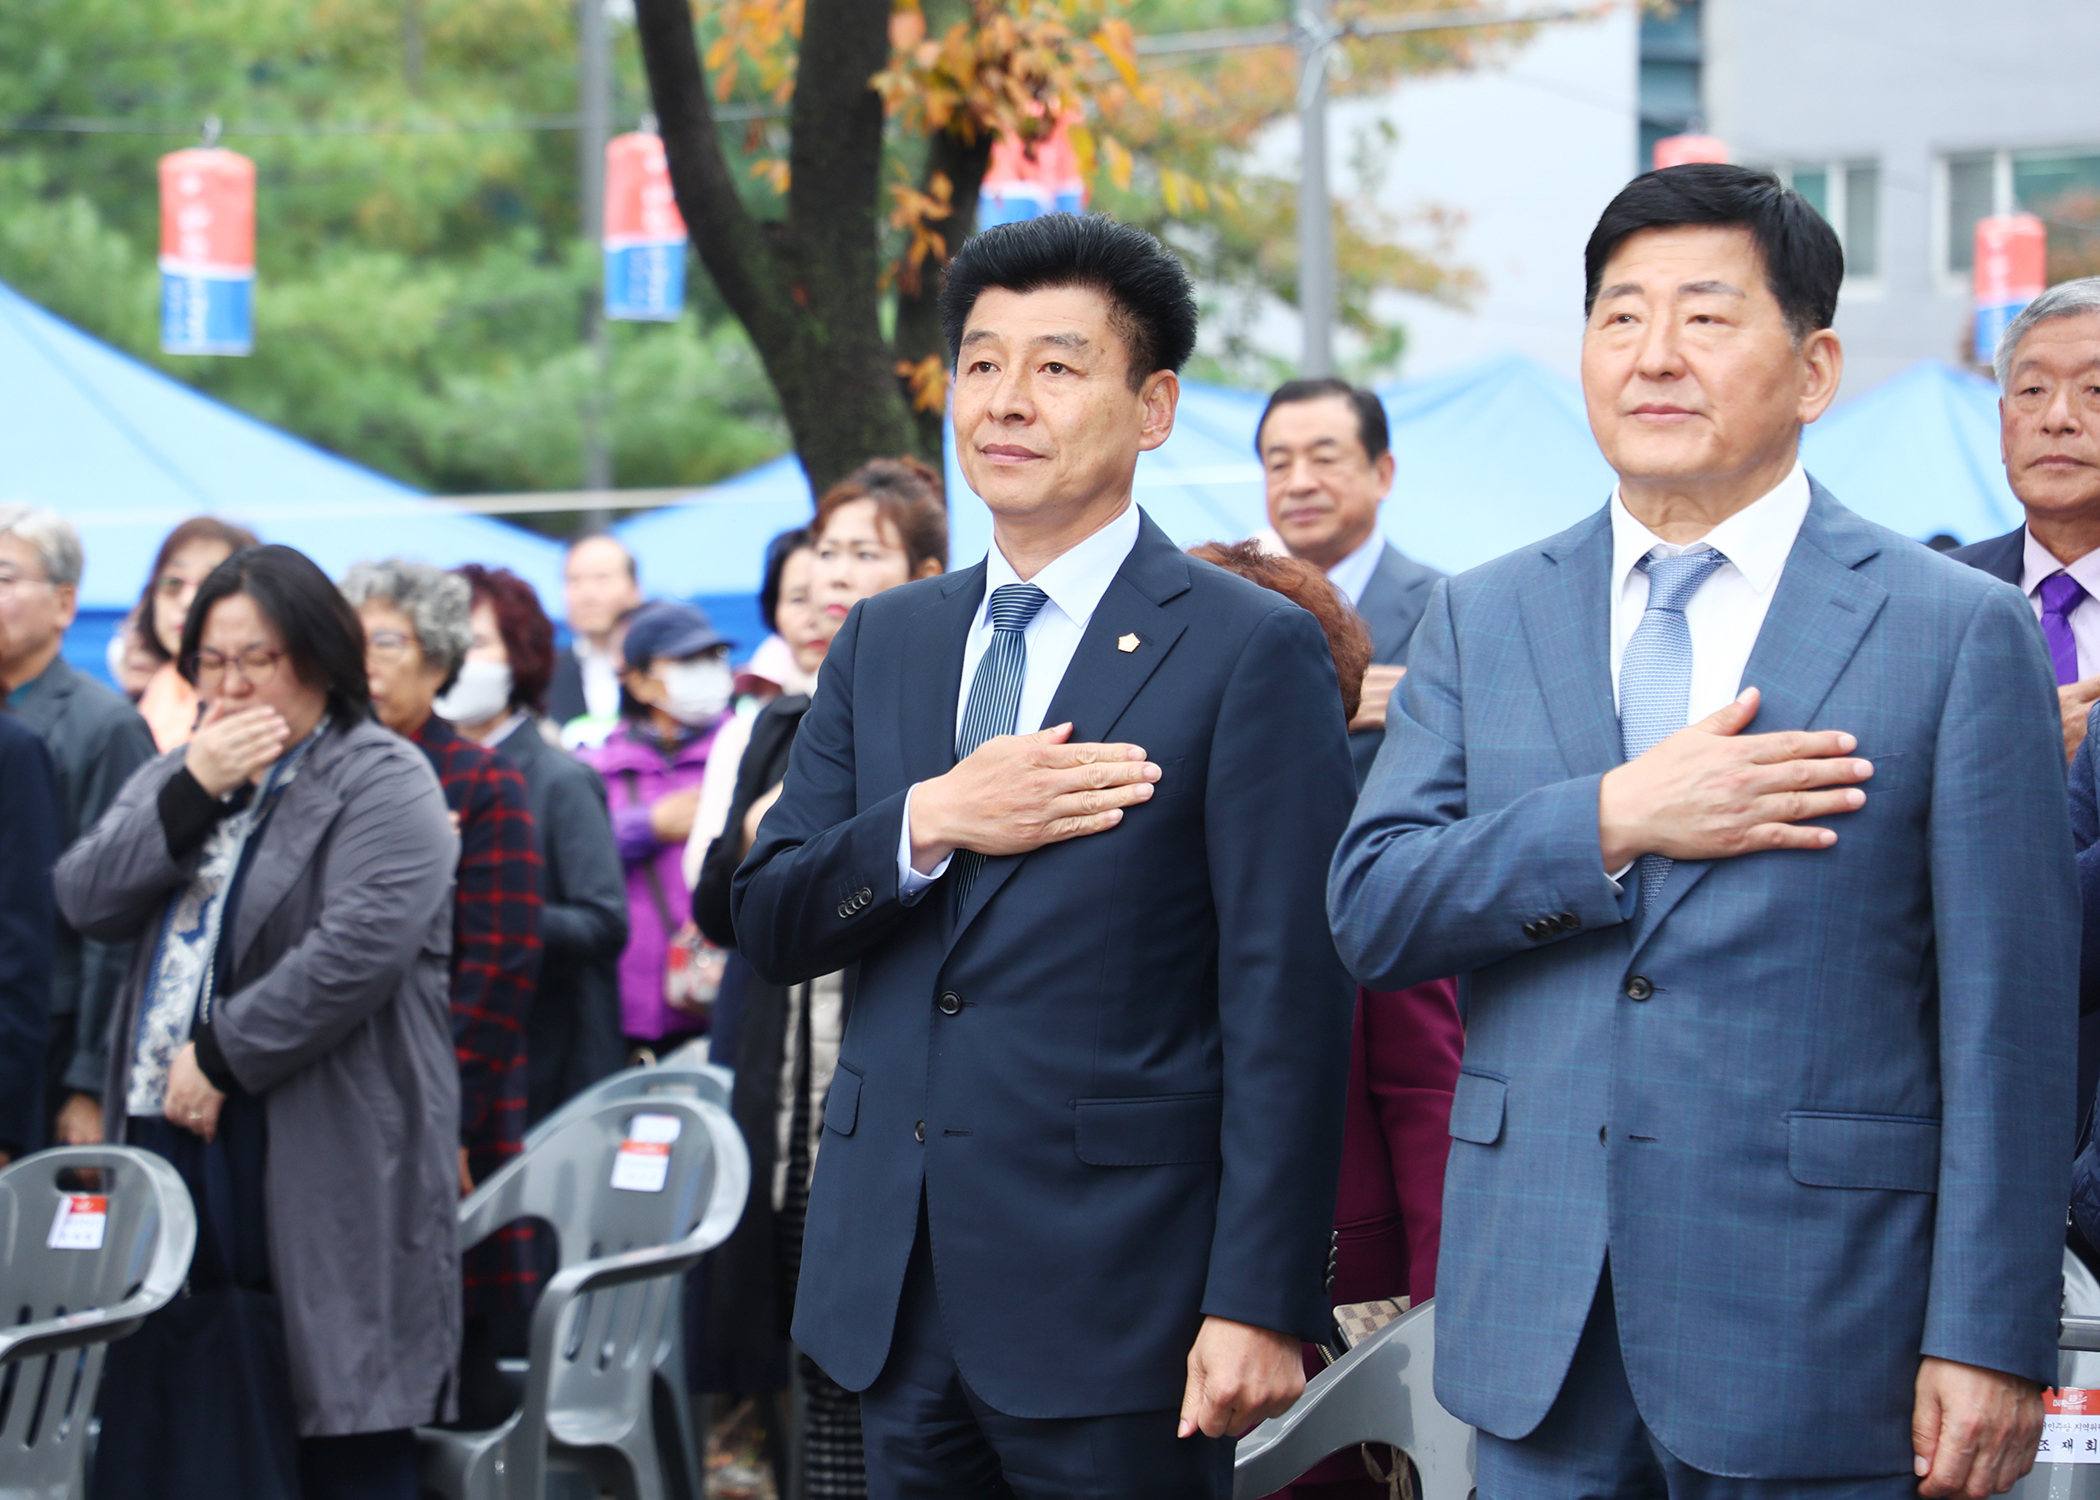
(283, 1039)
(415, 620)
(572, 1034)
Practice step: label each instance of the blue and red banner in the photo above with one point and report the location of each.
(645, 236)
(2012, 260)
(1024, 182)
(207, 252)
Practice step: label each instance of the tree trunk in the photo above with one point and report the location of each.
(805, 288)
(919, 315)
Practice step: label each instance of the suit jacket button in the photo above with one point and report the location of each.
(1639, 987)
(865, 896)
(844, 910)
(1569, 922)
(918, 1132)
(1604, 1135)
(950, 1003)
(1533, 931)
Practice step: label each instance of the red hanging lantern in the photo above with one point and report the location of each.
(207, 252)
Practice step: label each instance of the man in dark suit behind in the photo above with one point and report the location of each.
(1327, 461)
(2048, 368)
(1069, 1219)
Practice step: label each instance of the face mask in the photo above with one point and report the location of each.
(696, 692)
(481, 693)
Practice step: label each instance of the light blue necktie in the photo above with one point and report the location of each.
(1655, 674)
(995, 697)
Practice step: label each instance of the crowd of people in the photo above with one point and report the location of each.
(1661, 946)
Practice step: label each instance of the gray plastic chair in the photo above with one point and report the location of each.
(1379, 1392)
(695, 1078)
(600, 1321)
(63, 1307)
(2077, 1367)
(686, 1072)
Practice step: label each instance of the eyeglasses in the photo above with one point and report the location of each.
(387, 645)
(256, 666)
(9, 582)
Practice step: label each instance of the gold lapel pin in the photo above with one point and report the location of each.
(1127, 642)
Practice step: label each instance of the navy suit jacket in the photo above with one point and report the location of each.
(29, 847)
(2003, 557)
(1117, 1075)
(1816, 1105)
(1392, 606)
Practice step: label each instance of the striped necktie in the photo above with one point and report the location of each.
(1655, 674)
(995, 697)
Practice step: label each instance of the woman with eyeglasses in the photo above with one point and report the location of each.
(169, 703)
(284, 1039)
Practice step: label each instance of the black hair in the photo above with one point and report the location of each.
(1152, 300)
(1370, 411)
(1804, 263)
(321, 634)
(778, 551)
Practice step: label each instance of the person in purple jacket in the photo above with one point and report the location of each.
(675, 690)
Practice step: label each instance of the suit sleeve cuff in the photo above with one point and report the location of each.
(910, 883)
(211, 1061)
(188, 813)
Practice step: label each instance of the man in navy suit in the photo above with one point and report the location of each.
(1743, 820)
(2048, 368)
(1328, 464)
(1069, 811)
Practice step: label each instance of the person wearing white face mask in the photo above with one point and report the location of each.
(572, 1033)
(675, 691)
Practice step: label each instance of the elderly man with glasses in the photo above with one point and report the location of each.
(96, 741)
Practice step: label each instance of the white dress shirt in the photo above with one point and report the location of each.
(601, 678)
(1352, 575)
(1075, 580)
(1727, 612)
(2039, 564)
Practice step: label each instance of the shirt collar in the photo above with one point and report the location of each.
(1076, 578)
(2038, 563)
(1352, 575)
(1756, 538)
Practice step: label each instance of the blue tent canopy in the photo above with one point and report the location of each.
(1919, 454)
(125, 453)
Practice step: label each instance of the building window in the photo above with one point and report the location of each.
(1848, 195)
(1671, 60)
(2061, 188)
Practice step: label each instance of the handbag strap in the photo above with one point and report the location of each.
(649, 870)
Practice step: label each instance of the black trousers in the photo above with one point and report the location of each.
(928, 1436)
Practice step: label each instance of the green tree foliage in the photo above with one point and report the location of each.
(421, 290)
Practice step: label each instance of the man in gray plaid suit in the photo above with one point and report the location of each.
(1744, 820)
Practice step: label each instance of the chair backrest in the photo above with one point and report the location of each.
(693, 1077)
(78, 1267)
(659, 1172)
(1379, 1392)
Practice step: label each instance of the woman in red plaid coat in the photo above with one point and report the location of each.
(416, 636)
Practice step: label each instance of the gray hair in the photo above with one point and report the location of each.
(2067, 299)
(438, 605)
(51, 535)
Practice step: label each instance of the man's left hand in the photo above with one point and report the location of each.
(1239, 1375)
(1379, 683)
(1974, 1430)
(2076, 700)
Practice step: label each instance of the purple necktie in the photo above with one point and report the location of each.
(2060, 595)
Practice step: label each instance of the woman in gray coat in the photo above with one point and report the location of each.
(284, 1037)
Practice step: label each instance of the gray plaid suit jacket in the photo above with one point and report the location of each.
(1815, 1106)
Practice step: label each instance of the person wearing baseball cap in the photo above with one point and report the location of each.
(675, 691)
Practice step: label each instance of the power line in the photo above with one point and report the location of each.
(727, 114)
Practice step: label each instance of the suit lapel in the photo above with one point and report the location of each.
(1567, 621)
(931, 681)
(1102, 679)
(303, 815)
(1821, 610)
